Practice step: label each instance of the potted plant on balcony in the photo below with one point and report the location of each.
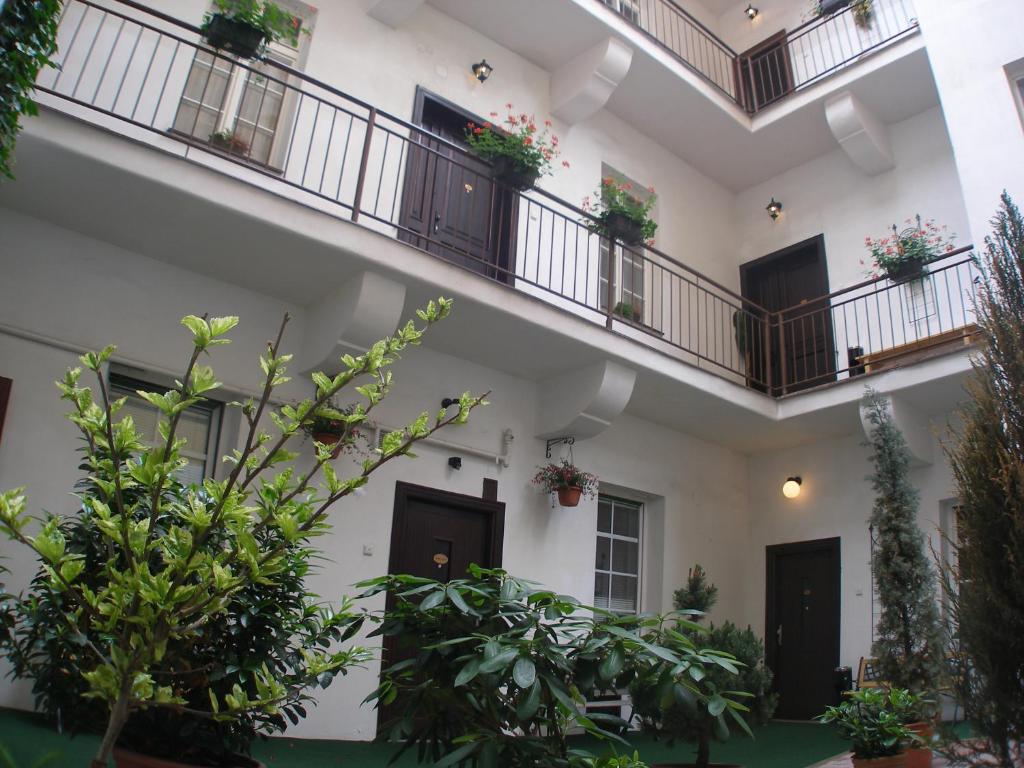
(619, 214)
(868, 718)
(628, 311)
(175, 557)
(230, 142)
(903, 255)
(244, 27)
(567, 480)
(518, 152)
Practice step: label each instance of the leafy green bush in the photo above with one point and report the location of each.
(870, 720)
(491, 670)
(176, 558)
(28, 38)
(271, 19)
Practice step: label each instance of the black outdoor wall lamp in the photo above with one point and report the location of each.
(774, 209)
(751, 11)
(482, 70)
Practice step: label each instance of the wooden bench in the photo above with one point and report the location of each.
(917, 350)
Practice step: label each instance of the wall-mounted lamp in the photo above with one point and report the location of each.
(482, 70)
(791, 488)
(455, 462)
(774, 209)
(751, 11)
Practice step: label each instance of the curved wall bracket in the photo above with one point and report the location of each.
(860, 133)
(584, 402)
(350, 319)
(583, 85)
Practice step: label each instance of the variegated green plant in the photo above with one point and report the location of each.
(177, 554)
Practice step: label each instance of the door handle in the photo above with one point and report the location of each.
(437, 221)
(778, 636)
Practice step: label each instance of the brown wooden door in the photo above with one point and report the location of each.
(438, 535)
(802, 631)
(794, 279)
(765, 73)
(450, 205)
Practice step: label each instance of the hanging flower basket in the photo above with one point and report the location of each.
(903, 256)
(908, 269)
(233, 35)
(518, 151)
(626, 230)
(619, 213)
(566, 480)
(513, 174)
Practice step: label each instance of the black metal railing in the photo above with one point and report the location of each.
(152, 77)
(779, 66)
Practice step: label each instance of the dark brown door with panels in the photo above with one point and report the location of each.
(802, 632)
(450, 205)
(437, 535)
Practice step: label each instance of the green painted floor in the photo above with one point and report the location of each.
(777, 745)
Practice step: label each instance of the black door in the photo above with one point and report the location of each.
(450, 205)
(801, 351)
(765, 73)
(802, 632)
(438, 535)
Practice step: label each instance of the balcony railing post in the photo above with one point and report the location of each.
(766, 352)
(782, 354)
(610, 298)
(357, 201)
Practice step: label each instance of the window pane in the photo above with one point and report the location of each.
(627, 521)
(601, 590)
(604, 516)
(623, 599)
(603, 553)
(194, 426)
(625, 556)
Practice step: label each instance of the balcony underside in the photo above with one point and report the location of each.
(163, 205)
(682, 111)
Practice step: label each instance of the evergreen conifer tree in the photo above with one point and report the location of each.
(908, 645)
(986, 595)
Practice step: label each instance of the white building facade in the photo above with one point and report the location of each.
(342, 195)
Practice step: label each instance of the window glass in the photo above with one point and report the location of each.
(617, 559)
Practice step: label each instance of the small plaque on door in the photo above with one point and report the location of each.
(440, 559)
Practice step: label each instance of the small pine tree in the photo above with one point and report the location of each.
(986, 595)
(697, 594)
(908, 644)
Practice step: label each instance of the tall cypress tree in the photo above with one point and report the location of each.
(908, 644)
(987, 457)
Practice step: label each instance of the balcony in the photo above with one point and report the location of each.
(146, 76)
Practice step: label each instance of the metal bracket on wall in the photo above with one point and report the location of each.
(556, 441)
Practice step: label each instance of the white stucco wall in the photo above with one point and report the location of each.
(695, 491)
(971, 43)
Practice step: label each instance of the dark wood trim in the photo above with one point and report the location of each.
(818, 241)
(772, 553)
(489, 490)
(495, 510)
(746, 88)
(5, 397)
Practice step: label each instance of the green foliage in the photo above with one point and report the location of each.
(920, 242)
(986, 593)
(492, 670)
(628, 311)
(178, 560)
(869, 719)
(613, 761)
(565, 474)
(7, 760)
(751, 679)
(697, 594)
(615, 198)
(28, 38)
(909, 644)
(273, 21)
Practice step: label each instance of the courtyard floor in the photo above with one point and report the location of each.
(777, 745)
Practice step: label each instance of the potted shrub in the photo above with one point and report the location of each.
(567, 480)
(517, 152)
(618, 214)
(492, 670)
(628, 311)
(244, 27)
(868, 718)
(918, 714)
(903, 255)
(230, 142)
(177, 558)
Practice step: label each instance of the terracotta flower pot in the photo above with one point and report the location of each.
(126, 759)
(892, 761)
(233, 36)
(569, 497)
(513, 175)
(921, 757)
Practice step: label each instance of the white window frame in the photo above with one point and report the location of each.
(626, 259)
(1015, 75)
(122, 384)
(612, 537)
